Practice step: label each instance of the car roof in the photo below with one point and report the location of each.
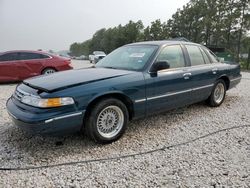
(163, 42)
(30, 51)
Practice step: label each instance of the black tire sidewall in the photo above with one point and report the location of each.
(91, 121)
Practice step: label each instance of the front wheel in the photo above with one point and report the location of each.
(218, 94)
(107, 121)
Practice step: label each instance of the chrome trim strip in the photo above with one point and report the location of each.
(169, 94)
(62, 117)
(140, 100)
(173, 70)
(174, 93)
(233, 80)
(202, 87)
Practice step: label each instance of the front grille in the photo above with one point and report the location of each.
(18, 94)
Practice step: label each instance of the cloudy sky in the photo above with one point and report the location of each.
(55, 24)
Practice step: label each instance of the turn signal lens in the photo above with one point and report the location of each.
(54, 102)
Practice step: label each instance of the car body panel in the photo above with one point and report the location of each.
(160, 90)
(147, 92)
(18, 70)
(74, 78)
(5, 74)
(31, 124)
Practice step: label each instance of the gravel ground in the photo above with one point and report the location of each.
(196, 146)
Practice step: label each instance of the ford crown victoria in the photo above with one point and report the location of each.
(133, 81)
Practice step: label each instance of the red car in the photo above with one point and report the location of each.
(19, 65)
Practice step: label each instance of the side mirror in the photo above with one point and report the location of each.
(160, 65)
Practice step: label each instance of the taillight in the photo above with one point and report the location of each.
(68, 61)
(70, 64)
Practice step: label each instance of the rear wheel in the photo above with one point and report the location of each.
(218, 94)
(107, 121)
(48, 71)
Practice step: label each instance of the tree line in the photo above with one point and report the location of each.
(217, 23)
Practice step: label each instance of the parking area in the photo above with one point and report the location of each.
(195, 146)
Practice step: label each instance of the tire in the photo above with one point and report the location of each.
(218, 94)
(107, 121)
(48, 71)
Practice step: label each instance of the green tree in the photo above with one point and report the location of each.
(211, 22)
(157, 31)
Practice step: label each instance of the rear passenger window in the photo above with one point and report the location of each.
(28, 56)
(42, 56)
(195, 55)
(206, 59)
(173, 55)
(213, 57)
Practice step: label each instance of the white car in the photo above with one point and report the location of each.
(96, 56)
(82, 57)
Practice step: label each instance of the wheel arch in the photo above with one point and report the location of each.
(48, 67)
(226, 80)
(117, 95)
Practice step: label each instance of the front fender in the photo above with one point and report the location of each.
(107, 93)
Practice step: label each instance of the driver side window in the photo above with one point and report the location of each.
(173, 55)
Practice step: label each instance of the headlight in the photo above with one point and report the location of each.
(46, 103)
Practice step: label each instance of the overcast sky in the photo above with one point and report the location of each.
(55, 24)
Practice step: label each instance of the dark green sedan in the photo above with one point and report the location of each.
(133, 81)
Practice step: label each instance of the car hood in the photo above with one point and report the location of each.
(71, 78)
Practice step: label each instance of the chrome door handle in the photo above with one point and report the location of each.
(186, 76)
(214, 71)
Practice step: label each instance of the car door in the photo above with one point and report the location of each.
(29, 64)
(8, 69)
(169, 88)
(203, 73)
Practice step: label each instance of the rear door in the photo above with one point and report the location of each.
(8, 67)
(203, 73)
(29, 64)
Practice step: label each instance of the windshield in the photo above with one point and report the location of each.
(128, 57)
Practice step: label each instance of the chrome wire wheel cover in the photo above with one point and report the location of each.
(49, 71)
(110, 121)
(219, 93)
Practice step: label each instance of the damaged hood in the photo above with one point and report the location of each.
(71, 78)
